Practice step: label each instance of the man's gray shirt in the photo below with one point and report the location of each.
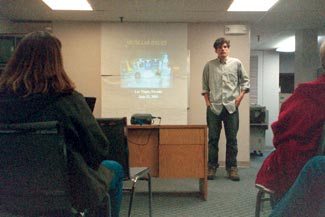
(224, 82)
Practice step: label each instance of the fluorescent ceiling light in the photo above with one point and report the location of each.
(77, 5)
(287, 45)
(251, 5)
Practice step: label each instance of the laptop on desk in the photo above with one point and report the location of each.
(91, 101)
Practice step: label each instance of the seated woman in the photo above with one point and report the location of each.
(306, 197)
(35, 87)
(297, 133)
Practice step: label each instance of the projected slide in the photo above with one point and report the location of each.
(145, 69)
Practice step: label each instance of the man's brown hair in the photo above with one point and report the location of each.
(220, 41)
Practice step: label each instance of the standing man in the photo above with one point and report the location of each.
(224, 84)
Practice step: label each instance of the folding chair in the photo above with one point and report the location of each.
(115, 130)
(34, 172)
(263, 191)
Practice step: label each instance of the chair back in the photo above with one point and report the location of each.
(33, 175)
(115, 130)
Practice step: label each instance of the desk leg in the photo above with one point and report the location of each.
(204, 188)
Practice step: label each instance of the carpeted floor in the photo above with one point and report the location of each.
(175, 197)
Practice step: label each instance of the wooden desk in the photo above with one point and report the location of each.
(171, 151)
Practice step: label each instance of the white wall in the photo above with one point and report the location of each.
(81, 54)
(268, 87)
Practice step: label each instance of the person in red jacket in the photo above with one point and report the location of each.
(297, 133)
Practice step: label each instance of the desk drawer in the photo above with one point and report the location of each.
(192, 136)
(181, 161)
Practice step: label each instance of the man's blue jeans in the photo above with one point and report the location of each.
(116, 186)
(231, 124)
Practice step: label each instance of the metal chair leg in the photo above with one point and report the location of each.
(259, 196)
(148, 179)
(131, 197)
(150, 194)
(139, 173)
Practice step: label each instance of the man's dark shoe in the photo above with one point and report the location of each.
(233, 174)
(212, 172)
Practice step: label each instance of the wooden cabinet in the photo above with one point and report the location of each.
(171, 151)
(143, 148)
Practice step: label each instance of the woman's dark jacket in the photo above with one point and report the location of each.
(87, 145)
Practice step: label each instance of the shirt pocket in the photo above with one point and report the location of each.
(233, 79)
